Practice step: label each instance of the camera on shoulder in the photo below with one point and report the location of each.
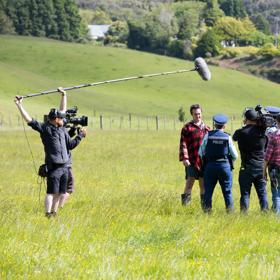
(265, 117)
(71, 121)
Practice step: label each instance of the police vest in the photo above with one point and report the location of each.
(217, 145)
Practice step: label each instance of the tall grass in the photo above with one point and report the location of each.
(125, 220)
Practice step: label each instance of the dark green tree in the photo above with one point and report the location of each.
(233, 8)
(261, 23)
(74, 20)
(212, 12)
(207, 45)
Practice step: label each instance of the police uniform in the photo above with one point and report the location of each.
(216, 150)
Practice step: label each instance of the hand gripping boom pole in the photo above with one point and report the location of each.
(200, 66)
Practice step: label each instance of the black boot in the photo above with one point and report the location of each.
(186, 198)
(202, 201)
(48, 215)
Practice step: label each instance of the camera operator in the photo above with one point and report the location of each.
(272, 162)
(57, 143)
(70, 182)
(251, 142)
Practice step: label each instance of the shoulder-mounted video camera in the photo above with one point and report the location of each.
(265, 117)
(71, 121)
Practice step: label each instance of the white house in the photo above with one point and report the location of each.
(97, 31)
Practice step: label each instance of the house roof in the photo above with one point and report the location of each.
(98, 31)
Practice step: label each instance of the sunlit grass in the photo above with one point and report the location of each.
(125, 220)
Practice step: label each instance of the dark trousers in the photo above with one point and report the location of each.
(214, 172)
(247, 177)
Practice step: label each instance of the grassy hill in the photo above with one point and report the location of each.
(31, 65)
(125, 219)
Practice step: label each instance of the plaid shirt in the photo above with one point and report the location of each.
(272, 153)
(191, 139)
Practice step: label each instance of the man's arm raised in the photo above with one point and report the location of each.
(24, 114)
(63, 101)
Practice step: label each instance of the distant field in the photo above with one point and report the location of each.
(32, 64)
(125, 220)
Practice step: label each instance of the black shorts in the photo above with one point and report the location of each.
(57, 180)
(70, 182)
(191, 171)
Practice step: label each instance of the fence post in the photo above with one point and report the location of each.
(101, 122)
(157, 127)
(129, 119)
(138, 122)
(174, 123)
(121, 120)
(147, 120)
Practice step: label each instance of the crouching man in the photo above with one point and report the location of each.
(57, 143)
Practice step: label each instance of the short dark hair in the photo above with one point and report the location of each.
(219, 126)
(194, 107)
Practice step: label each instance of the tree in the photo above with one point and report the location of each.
(233, 8)
(117, 33)
(181, 114)
(6, 24)
(261, 23)
(212, 12)
(207, 45)
(153, 32)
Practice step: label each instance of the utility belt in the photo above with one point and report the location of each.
(217, 158)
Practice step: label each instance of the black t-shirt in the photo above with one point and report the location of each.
(251, 143)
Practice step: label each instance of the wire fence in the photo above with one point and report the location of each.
(125, 122)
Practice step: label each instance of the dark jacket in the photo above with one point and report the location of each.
(251, 142)
(56, 141)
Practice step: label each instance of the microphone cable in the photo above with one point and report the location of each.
(39, 182)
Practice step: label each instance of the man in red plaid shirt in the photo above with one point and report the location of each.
(272, 161)
(191, 138)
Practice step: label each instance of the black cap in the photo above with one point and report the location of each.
(251, 115)
(54, 113)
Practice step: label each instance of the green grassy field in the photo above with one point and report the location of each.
(31, 65)
(125, 220)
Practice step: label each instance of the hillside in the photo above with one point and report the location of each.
(31, 65)
(267, 68)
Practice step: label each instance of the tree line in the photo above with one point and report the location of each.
(180, 28)
(57, 19)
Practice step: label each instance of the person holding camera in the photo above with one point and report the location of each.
(72, 132)
(191, 137)
(272, 163)
(251, 141)
(57, 143)
(217, 152)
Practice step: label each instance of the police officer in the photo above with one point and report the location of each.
(57, 142)
(217, 151)
(251, 142)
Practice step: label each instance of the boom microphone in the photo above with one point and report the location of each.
(199, 63)
(202, 69)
